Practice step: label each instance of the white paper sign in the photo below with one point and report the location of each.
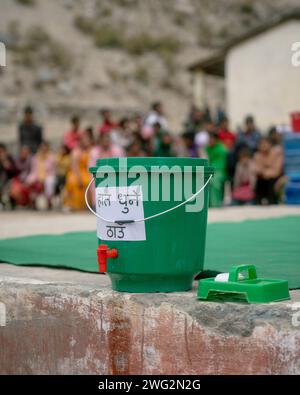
(120, 204)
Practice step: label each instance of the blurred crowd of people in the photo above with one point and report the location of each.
(248, 165)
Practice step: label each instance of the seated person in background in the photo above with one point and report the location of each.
(275, 137)
(89, 132)
(107, 123)
(30, 133)
(161, 142)
(249, 137)
(145, 145)
(189, 145)
(202, 138)
(63, 166)
(217, 156)
(244, 178)
(225, 135)
(72, 137)
(122, 136)
(41, 179)
(136, 149)
(78, 176)
(7, 171)
(155, 116)
(136, 123)
(19, 190)
(269, 168)
(104, 149)
(195, 120)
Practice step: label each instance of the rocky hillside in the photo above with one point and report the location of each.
(78, 55)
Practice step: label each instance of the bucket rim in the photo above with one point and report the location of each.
(148, 162)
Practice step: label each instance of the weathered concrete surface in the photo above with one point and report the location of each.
(62, 321)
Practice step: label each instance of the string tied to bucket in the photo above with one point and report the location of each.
(122, 222)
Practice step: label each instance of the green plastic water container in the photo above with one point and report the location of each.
(173, 248)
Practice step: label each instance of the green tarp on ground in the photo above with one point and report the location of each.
(273, 245)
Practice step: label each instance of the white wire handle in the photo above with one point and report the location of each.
(141, 219)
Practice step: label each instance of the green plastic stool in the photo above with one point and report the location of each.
(253, 289)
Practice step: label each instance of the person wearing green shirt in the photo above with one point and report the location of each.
(162, 142)
(217, 156)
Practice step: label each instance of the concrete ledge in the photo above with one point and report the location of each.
(61, 322)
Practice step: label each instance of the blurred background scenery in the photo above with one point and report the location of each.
(88, 79)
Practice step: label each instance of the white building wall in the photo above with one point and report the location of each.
(199, 88)
(208, 91)
(260, 78)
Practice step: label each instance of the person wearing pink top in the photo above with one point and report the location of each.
(72, 137)
(105, 149)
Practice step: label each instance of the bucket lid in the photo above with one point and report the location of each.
(254, 289)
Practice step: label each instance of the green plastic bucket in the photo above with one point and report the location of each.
(171, 251)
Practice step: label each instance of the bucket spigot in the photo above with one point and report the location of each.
(103, 253)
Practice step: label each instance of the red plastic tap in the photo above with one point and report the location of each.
(103, 253)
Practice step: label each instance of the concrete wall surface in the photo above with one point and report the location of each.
(261, 79)
(60, 322)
